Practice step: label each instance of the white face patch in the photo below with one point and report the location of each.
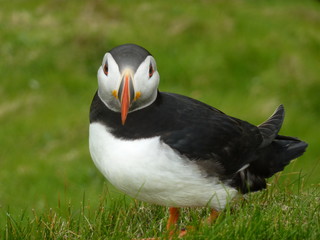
(107, 84)
(145, 86)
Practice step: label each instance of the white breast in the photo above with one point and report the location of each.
(151, 171)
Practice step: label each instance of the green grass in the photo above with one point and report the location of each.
(272, 214)
(243, 57)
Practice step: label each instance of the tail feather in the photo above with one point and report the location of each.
(294, 149)
(274, 153)
(269, 160)
(270, 128)
(278, 154)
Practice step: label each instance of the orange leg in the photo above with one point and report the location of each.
(171, 224)
(213, 216)
(173, 218)
(172, 221)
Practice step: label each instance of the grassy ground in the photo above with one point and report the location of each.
(243, 57)
(273, 214)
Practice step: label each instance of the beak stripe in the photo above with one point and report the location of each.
(125, 99)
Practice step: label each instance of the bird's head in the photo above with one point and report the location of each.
(128, 79)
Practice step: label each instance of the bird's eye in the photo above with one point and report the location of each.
(106, 69)
(151, 70)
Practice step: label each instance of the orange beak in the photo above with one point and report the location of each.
(126, 93)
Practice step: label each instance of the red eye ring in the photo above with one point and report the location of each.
(106, 69)
(151, 70)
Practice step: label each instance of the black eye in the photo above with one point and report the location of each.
(106, 69)
(151, 71)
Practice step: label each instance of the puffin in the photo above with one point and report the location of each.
(172, 150)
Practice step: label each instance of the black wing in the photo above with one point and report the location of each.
(210, 137)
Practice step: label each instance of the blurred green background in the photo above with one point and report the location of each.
(243, 57)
